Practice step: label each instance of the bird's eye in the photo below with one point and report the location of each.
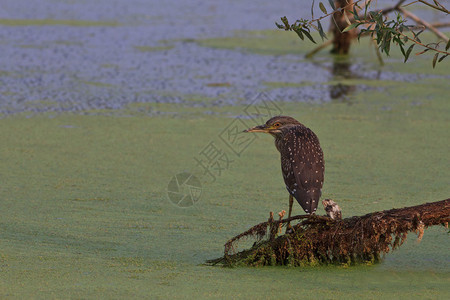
(276, 125)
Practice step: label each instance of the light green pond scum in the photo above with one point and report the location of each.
(152, 49)
(84, 212)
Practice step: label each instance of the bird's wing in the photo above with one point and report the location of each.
(303, 166)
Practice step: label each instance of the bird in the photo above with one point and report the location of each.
(302, 161)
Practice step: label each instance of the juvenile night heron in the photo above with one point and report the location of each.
(302, 161)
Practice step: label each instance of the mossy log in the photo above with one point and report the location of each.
(322, 240)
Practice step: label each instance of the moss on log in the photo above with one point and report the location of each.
(322, 240)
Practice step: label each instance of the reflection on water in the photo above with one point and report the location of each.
(341, 70)
(341, 73)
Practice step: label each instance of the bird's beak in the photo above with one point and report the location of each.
(260, 128)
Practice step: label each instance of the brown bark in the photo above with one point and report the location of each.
(342, 40)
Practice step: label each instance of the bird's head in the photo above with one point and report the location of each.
(274, 125)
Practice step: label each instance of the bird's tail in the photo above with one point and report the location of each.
(308, 199)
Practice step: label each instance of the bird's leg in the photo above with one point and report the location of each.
(291, 202)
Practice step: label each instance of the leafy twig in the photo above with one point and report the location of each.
(384, 30)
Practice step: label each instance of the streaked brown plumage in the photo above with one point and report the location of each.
(302, 162)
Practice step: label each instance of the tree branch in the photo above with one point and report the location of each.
(440, 7)
(318, 49)
(425, 46)
(424, 23)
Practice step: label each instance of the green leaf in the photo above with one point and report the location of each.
(321, 32)
(385, 42)
(408, 52)
(347, 20)
(332, 4)
(299, 33)
(312, 10)
(350, 27)
(308, 35)
(380, 35)
(442, 57)
(286, 23)
(416, 35)
(362, 32)
(435, 59)
(373, 15)
(387, 47)
(448, 45)
(402, 50)
(355, 13)
(322, 8)
(397, 40)
(279, 26)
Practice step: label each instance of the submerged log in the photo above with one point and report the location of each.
(322, 240)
